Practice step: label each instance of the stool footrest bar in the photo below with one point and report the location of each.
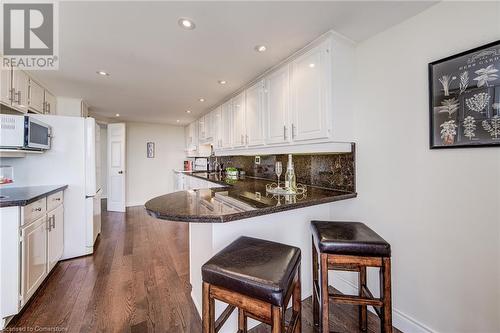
(355, 300)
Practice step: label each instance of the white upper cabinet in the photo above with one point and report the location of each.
(311, 93)
(239, 129)
(20, 84)
(201, 129)
(6, 85)
(217, 127)
(254, 114)
(226, 125)
(208, 127)
(36, 97)
(277, 92)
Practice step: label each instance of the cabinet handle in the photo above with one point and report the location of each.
(284, 132)
(242, 140)
(48, 107)
(49, 224)
(57, 199)
(39, 209)
(12, 92)
(247, 138)
(18, 97)
(53, 225)
(293, 131)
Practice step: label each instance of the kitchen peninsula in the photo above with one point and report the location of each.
(222, 208)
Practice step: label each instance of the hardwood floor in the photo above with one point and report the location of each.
(137, 281)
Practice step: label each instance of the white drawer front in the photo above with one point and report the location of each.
(34, 210)
(54, 200)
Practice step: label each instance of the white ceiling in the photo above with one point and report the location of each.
(159, 70)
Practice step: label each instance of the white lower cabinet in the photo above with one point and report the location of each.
(33, 257)
(55, 235)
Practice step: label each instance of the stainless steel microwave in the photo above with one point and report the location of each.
(24, 132)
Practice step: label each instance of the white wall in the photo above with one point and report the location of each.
(439, 209)
(150, 177)
(104, 161)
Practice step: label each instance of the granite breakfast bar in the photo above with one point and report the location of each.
(230, 208)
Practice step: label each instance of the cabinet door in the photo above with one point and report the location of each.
(239, 133)
(208, 127)
(311, 91)
(51, 104)
(201, 129)
(33, 256)
(20, 82)
(5, 85)
(216, 128)
(277, 94)
(226, 125)
(55, 236)
(254, 115)
(36, 98)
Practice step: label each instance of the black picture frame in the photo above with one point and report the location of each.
(477, 103)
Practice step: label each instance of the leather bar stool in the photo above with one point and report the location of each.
(259, 278)
(350, 246)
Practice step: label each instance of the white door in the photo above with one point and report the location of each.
(116, 167)
(36, 97)
(55, 236)
(310, 81)
(226, 125)
(277, 94)
(239, 132)
(5, 85)
(254, 115)
(34, 256)
(50, 103)
(20, 82)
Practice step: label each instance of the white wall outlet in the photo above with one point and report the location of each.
(257, 159)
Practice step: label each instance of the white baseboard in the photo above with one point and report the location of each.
(400, 320)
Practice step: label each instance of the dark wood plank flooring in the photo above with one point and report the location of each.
(137, 281)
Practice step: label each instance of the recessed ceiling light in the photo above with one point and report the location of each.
(186, 23)
(117, 115)
(260, 48)
(188, 111)
(222, 81)
(312, 65)
(103, 73)
(201, 100)
(178, 121)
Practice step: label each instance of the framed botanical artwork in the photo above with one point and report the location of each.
(150, 149)
(464, 98)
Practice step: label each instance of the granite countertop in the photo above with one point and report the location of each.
(22, 196)
(243, 198)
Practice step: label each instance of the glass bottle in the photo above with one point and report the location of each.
(290, 182)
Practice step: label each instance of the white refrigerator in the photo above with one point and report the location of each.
(74, 159)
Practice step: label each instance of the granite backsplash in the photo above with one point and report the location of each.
(328, 170)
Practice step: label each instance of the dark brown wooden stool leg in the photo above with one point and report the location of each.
(242, 321)
(277, 319)
(385, 295)
(315, 299)
(208, 310)
(297, 303)
(324, 309)
(362, 308)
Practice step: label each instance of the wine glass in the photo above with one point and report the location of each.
(278, 168)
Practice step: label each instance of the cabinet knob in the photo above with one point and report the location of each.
(120, 172)
(39, 209)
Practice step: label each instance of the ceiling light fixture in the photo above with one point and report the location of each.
(201, 100)
(178, 121)
(117, 115)
(186, 23)
(222, 81)
(188, 111)
(312, 65)
(103, 73)
(260, 48)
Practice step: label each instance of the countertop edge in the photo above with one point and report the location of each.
(249, 213)
(25, 202)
